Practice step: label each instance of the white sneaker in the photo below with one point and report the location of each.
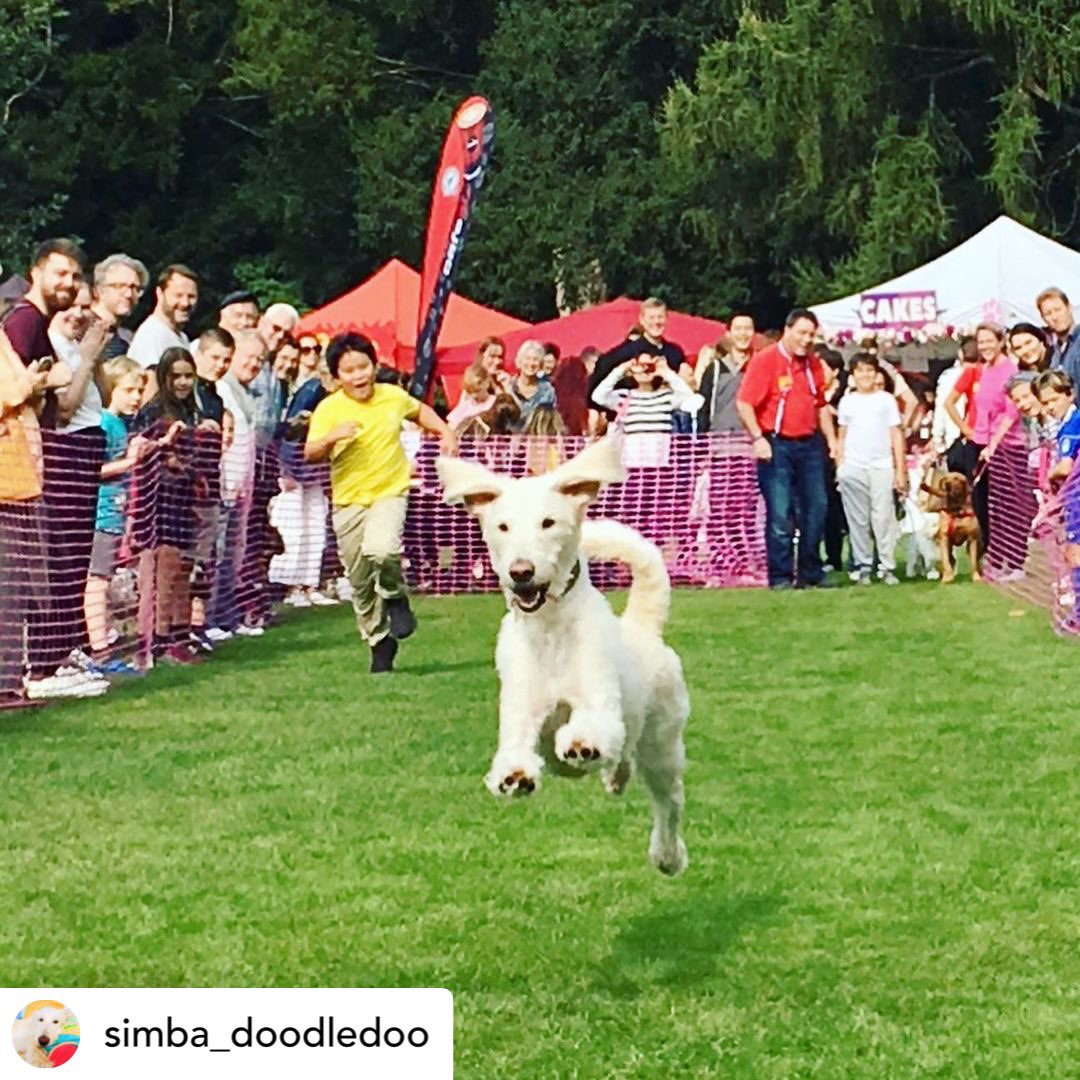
(344, 589)
(244, 630)
(216, 634)
(890, 578)
(72, 684)
(318, 599)
(854, 576)
(76, 668)
(933, 575)
(297, 599)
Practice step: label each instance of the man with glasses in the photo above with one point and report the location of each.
(119, 281)
(278, 321)
(781, 402)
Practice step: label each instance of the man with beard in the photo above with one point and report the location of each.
(163, 328)
(56, 627)
(119, 281)
(56, 273)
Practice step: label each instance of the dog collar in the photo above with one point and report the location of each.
(574, 575)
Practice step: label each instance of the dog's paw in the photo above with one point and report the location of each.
(579, 752)
(516, 783)
(512, 777)
(669, 859)
(582, 750)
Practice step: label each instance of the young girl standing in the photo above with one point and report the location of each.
(171, 416)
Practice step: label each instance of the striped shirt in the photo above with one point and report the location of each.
(643, 412)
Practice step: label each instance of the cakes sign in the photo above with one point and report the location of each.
(889, 311)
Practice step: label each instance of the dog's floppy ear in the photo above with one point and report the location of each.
(467, 482)
(581, 477)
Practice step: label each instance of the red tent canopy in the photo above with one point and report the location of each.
(603, 326)
(385, 309)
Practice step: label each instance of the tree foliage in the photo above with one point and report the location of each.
(712, 152)
(849, 139)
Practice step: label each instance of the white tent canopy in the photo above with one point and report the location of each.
(993, 277)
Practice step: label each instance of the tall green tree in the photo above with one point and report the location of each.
(716, 152)
(581, 191)
(836, 142)
(30, 44)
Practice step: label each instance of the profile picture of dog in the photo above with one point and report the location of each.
(45, 1034)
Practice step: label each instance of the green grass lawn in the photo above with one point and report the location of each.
(882, 822)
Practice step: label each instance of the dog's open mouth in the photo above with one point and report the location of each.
(529, 598)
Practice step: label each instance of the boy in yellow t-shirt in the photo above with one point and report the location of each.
(358, 428)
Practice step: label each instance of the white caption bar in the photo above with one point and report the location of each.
(269, 1033)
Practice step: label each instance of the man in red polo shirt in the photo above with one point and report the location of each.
(781, 402)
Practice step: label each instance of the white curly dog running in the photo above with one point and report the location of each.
(580, 687)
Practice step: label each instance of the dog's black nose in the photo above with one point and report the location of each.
(521, 571)
(43, 1040)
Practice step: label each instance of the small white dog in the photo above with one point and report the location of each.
(33, 1033)
(580, 686)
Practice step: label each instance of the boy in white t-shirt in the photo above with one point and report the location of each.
(870, 466)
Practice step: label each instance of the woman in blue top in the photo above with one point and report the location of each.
(530, 389)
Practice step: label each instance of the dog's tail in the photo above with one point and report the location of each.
(650, 590)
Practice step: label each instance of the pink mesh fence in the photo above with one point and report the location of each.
(1033, 548)
(696, 498)
(205, 536)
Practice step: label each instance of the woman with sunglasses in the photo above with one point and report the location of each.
(310, 355)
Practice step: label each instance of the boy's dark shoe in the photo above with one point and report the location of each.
(402, 620)
(382, 655)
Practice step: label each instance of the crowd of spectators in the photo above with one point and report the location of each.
(150, 465)
(173, 470)
(842, 447)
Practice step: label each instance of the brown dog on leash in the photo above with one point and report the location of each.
(957, 523)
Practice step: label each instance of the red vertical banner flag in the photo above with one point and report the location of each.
(465, 154)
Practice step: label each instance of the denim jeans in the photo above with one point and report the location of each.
(793, 485)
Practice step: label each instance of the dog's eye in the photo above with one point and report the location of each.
(547, 523)
(503, 527)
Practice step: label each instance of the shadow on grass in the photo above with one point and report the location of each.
(681, 943)
(437, 667)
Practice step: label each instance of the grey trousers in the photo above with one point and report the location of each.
(867, 494)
